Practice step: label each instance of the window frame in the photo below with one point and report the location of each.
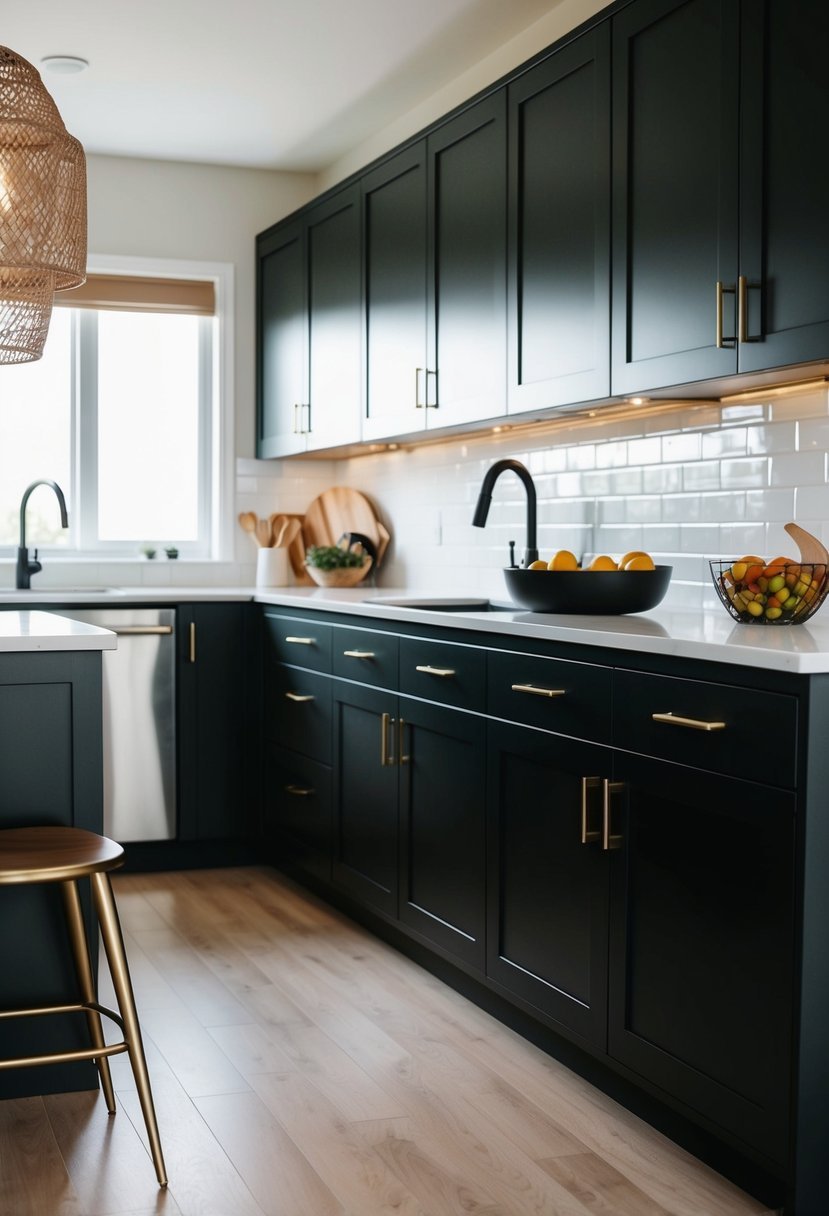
(216, 418)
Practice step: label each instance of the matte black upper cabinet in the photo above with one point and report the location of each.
(719, 241)
(559, 256)
(435, 278)
(309, 323)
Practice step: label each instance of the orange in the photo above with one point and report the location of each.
(603, 562)
(563, 560)
(642, 561)
(537, 566)
(623, 561)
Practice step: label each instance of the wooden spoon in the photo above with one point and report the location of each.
(263, 533)
(278, 523)
(812, 551)
(247, 521)
(289, 533)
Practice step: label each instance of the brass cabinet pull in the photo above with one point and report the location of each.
(386, 757)
(588, 834)
(690, 723)
(192, 636)
(300, 791)
(722, 341)
(445, 672)
(742, 310)
(299, 696)
(609, 840)
(535, 691)
(359, 654)
(402, 757)
(301, 641)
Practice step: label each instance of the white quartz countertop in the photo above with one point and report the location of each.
(29, 631)
(710, 635)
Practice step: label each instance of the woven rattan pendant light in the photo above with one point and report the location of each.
(42, 209)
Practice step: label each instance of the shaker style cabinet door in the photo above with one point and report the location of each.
(547, 876)
(334, 321)
(281, 341)
(675, 168)
(466, 368)
(784, 235)
(394, 240)
(702, 941)
(559, 227)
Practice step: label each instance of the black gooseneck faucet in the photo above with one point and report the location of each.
(26, 568)
(485, 498)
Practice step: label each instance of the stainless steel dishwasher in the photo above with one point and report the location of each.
(139, 721)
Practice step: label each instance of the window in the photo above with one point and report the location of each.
(122, 411)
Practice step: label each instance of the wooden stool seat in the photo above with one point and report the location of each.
(38, 855)
(64, 855)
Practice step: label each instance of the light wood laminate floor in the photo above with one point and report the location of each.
(303, 1068)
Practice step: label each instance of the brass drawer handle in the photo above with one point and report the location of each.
(535, 691)
(359, 654)
(435, 671)
(690, 723)
(302, 641)
(299, 696)
(300, 791)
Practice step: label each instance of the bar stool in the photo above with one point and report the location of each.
(63, 855)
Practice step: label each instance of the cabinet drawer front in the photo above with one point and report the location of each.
(725, 729)
(441, 671)
(305, 643)
(555, 694)
(365, 655)
(296, 807)
(298, 711)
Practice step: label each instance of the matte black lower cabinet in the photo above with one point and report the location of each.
(629, 850)
(701, 932)
(409, 813)
(548, 877)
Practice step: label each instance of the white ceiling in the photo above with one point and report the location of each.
(275, 84)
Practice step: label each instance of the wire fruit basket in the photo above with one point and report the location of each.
(780, 593)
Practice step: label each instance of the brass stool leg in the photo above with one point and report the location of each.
(86, 983)
(116, 956)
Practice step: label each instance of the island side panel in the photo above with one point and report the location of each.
(50, 774)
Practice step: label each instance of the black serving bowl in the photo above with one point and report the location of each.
(588, 592)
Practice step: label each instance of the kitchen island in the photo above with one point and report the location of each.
(50, 774)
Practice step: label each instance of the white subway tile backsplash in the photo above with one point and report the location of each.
(811, 502)
(686, 446)
(730, 442)
(749, 473)
(644, 451)
(772, 437)
(704, 475)
(813, 433)
(798, 469)
(662, 479)
(611, 455)
(716, 508)
(801, 405)
(772, 506)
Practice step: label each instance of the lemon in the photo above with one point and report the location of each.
(563, 560)
(603, 562)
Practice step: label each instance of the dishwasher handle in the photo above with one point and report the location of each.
(138, 630)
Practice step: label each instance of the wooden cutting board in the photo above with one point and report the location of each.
(340, 510)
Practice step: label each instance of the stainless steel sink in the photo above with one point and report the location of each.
(441, 604)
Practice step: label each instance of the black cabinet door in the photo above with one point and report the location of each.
(281, 341)
(441, 755)
(468, 266)
(334, 321)
(702, 931)
(394, 240)
(559, 227)
(215, 794)
(784, 236)
(675, 169)
(547, 892)
(365, 795)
